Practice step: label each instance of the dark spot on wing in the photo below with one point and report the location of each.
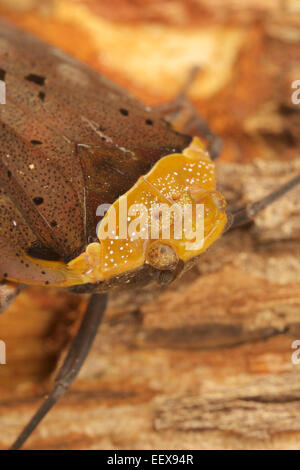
(39, 251)
(37, 79)
(2, 75)
(124, 111)
(38, 201)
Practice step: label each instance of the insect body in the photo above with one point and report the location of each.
(72, 141)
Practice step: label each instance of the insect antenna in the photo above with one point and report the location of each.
(242, 215)
(72, 364)
(183, 114)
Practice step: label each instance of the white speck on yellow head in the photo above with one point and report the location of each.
(184, 179)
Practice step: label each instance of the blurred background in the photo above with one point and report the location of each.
(169, 361)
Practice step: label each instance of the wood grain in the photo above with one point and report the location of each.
(185, 358)
(205, 363)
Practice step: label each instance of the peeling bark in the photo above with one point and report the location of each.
(257, 410)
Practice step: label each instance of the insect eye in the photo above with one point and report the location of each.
(162, 256)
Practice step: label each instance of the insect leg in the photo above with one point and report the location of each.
(8, 292)
(242, 215)
(184, 117)
(72, 364)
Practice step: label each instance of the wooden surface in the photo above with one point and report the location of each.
(205, 363)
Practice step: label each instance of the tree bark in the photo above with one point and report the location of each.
(206, 362)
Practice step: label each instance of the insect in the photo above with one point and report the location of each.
(72, 141)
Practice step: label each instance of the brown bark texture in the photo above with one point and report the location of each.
(207, 362)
